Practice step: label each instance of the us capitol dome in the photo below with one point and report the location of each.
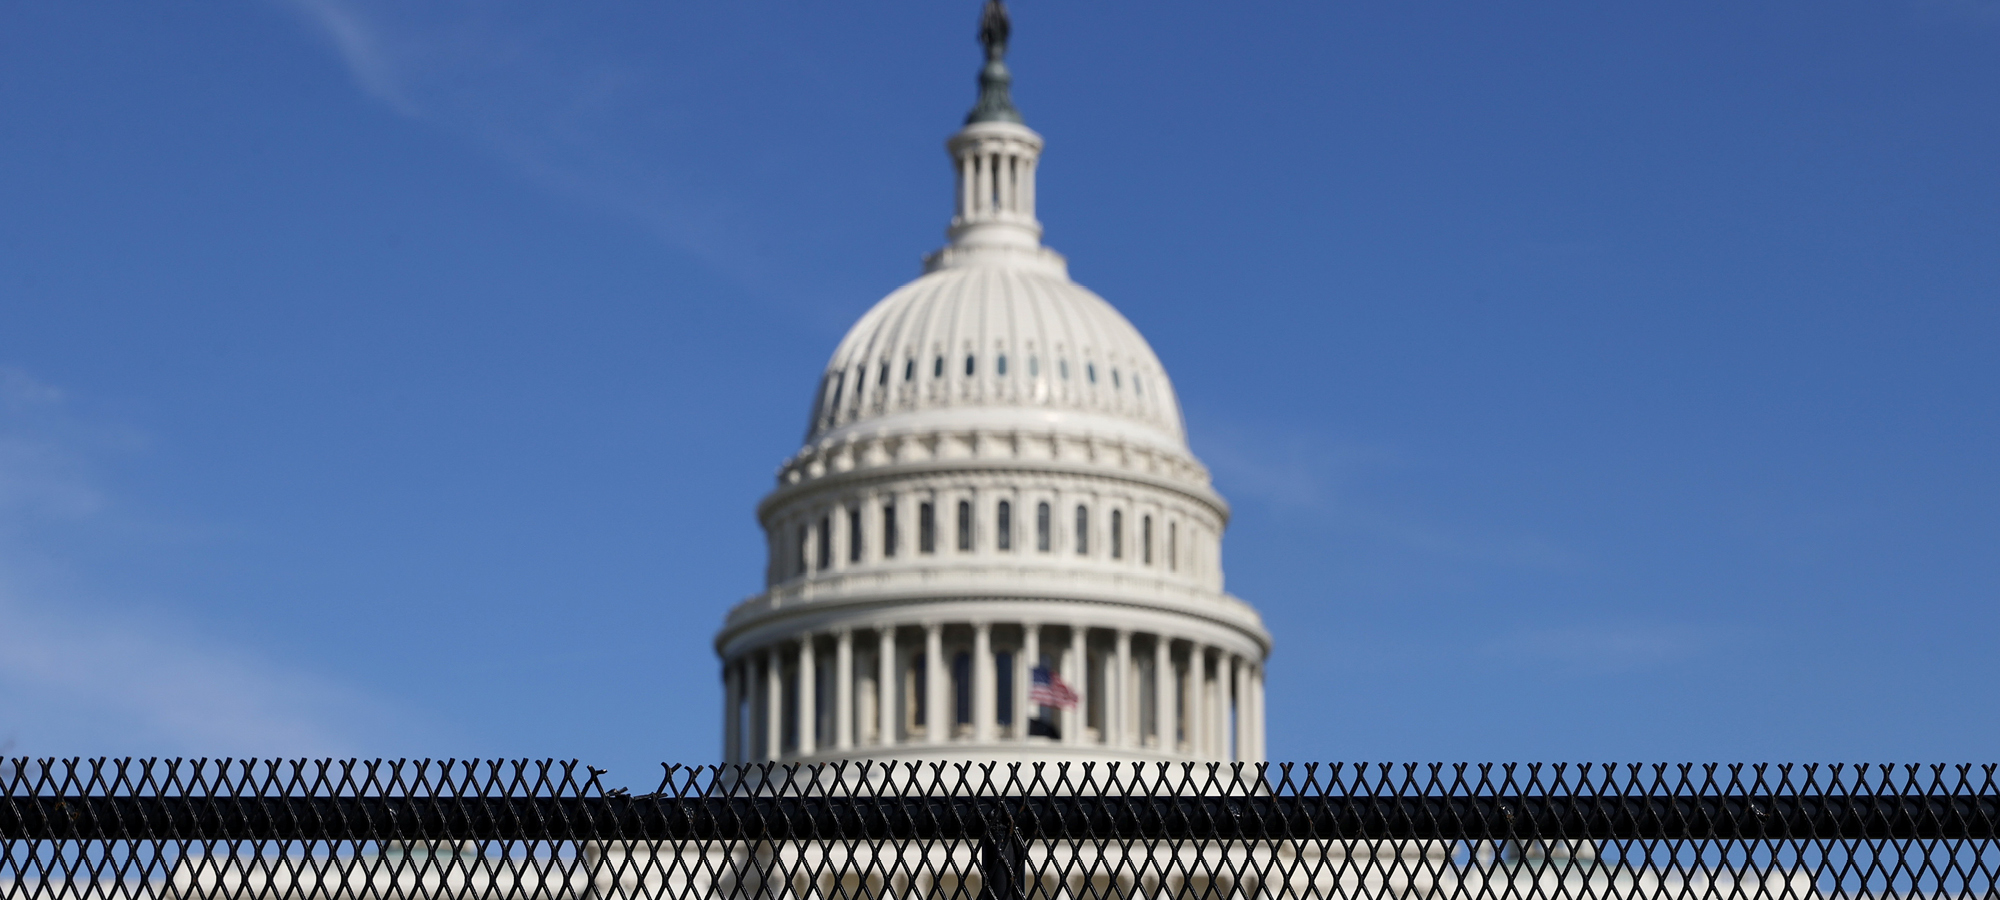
(995, 479)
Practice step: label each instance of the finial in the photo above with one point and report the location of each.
(996, 102)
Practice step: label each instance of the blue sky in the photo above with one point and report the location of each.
(1591, 380)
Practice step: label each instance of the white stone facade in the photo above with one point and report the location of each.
(995, 475)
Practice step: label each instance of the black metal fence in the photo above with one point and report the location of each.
(547, 829)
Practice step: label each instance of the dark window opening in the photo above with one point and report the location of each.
(1042, 527)
(968, 365)
(1003, 688)
(926, 528)
(961, 688)
(909, 369)
(937, 368)
(799, 558)
(1146, 540)
(854, 534)
(888, 530)
(1082, 531)
(920, 694)
(1173, 559)
(1117, 534)
(964, 525)
(1115, 383)
(1003, 527)
(1090, 371)
(825, 541)
(883, 379)
(1000, 365)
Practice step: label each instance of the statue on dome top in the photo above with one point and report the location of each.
(994, 28)
(996, 103)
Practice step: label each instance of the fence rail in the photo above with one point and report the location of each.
(548, 829)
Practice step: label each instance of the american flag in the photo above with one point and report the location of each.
(1048, 689)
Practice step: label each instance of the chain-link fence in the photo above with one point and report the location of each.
(328, 829)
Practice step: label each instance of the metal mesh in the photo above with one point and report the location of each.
(547, 829)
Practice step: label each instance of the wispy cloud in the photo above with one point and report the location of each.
(1291, 469)
(362, 46)
(595, 129)
(84, 672)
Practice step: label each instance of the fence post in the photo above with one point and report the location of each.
(1001, 856)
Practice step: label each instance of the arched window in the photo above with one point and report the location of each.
(1082, 530)
(964, 525)
(926, 528)
(825, 541)
(854, 534)
(1000, 366)
(1117, 534)
(1042, 527)
(1034, 366)
(1090, 372)
(1146, 540)
(1003, 527)
(909, 369)
(968, 365)
(1173, 557)
(799, 561)
(1062, 366)
(937, 367)
(888, 530)
(883, 379)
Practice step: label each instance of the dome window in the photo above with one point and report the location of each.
(909, 370)
(964, 525)
(1082, 530)
(1003, 527)
(968, 365)
(1090, 372)
(1063, 367)
(1042, 527)
(1138, 387)
(1114, 379)
(937, 367)
(883, 379)
(839, 381)
(1000, 366)
(1145, 530)
(926, 528)
(1034, 366)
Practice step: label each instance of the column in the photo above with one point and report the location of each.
(774, 704)
(1233, 701)
(935, 714)
(808, 696)
(843, 689)
(982, 682)
(885, 685)
(1118, 689)
(732, 722)
(982, 189)
(1163, 694)
(967, 184)
(1077, 667)
(1024, 666)
(1257, 713)
(1197, 701)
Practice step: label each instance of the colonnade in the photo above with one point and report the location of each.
(846, 692)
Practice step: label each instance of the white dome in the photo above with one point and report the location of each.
(996, 341)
